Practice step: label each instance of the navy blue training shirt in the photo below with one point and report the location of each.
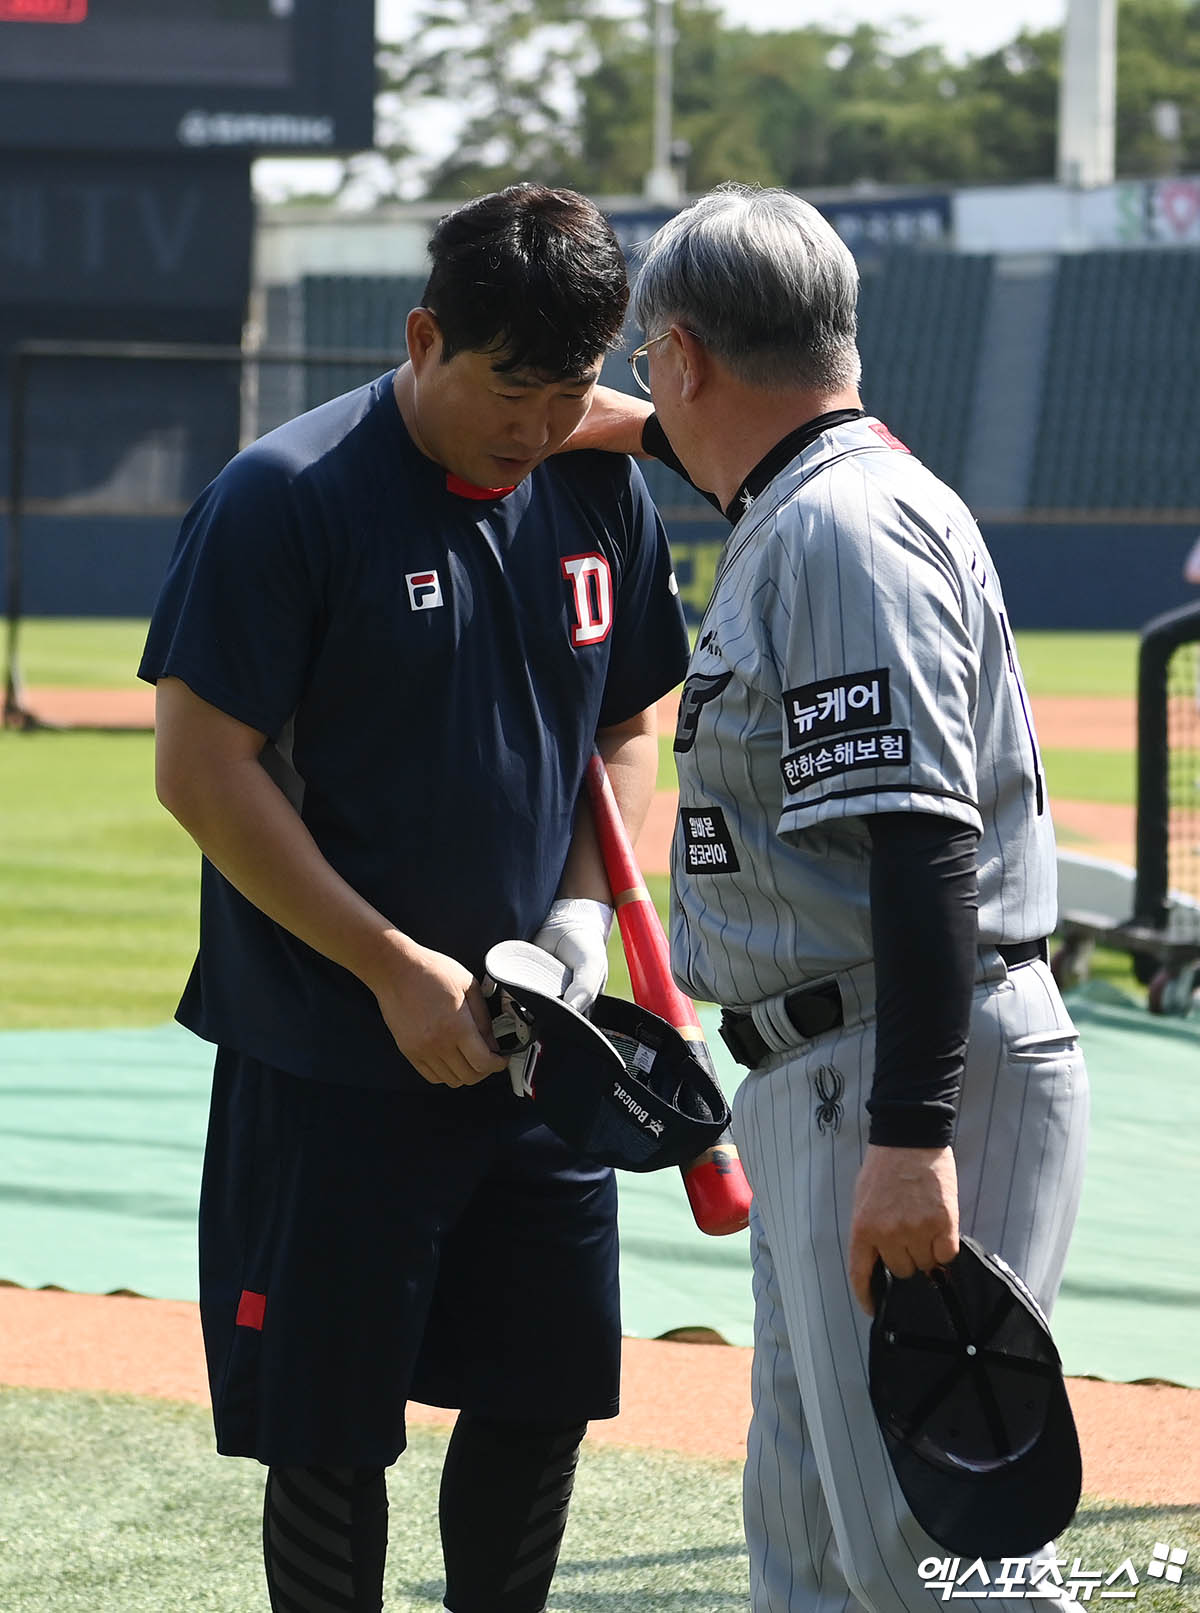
(430, 670)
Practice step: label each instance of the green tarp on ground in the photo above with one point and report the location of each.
(101, 1134)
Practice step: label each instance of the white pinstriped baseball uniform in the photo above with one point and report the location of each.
(855, 659)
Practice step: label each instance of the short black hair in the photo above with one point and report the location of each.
(531, 274)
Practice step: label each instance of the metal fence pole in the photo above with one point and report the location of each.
(14, 715)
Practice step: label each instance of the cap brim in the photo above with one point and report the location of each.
(522, 966)
(535, 980)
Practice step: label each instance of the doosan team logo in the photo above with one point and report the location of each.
(424, 590)
(591, 597)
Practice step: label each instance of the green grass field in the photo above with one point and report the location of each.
(140, 1517)
(1079, 663)
(103, 653)
(1091, 775)
(99, 886)
(81, 652)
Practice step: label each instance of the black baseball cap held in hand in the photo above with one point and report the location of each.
(621, 1085)
(968, 1389)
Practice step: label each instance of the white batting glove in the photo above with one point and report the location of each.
(576, 932)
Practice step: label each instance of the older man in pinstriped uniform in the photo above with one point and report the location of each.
(864, 875)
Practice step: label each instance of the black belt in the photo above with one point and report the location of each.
(1015, 953)
(813, 1010)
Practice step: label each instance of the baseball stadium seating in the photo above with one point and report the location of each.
(1120, 373)
(920, 326)
(365, 312)
(1054, 390)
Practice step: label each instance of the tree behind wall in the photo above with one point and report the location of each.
(561, 90)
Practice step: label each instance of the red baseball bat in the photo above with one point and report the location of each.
(716, 1184)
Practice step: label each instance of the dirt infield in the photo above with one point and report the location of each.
(91, 708)
(53, 1340)
(1086, 722)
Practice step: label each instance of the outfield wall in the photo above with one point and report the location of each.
(1056, 575)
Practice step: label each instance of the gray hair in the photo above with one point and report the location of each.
(763, 280)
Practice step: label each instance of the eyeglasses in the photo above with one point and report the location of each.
(640, 356)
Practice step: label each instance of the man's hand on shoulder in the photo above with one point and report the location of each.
(435, 1011)
(613, 424)
(905, 1213)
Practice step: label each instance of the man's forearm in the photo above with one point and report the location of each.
(247, 828)
(613, 424)
(631, 759)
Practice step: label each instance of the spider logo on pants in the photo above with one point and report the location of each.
(829, 1086)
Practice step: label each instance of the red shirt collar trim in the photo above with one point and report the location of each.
(455, 484)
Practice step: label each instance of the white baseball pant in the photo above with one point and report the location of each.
(826, 1524)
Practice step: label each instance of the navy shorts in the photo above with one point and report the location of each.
(360, 1248)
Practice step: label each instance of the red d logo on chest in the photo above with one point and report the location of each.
(591, 597)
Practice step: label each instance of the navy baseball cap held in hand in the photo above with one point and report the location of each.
(968, 1388)
(620, 1085)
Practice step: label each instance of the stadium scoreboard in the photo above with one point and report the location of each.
(265, 76)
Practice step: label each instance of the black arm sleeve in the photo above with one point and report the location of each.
(654, 443)
(924, 929)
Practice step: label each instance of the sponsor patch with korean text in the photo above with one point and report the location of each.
(888, 747)
(707, 844)
(837, 706)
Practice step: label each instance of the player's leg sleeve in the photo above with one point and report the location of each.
(503, 1506)
(325, 1539)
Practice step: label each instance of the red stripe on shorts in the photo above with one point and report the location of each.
(251, 1309)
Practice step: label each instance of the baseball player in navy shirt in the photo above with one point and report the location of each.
(391, 633)
(863, 877)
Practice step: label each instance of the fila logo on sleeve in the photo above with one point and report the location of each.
(591, 596)
(424, 590)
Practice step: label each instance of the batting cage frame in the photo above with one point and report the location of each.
(362, 363)
(1162, 935)
(1168, 770)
